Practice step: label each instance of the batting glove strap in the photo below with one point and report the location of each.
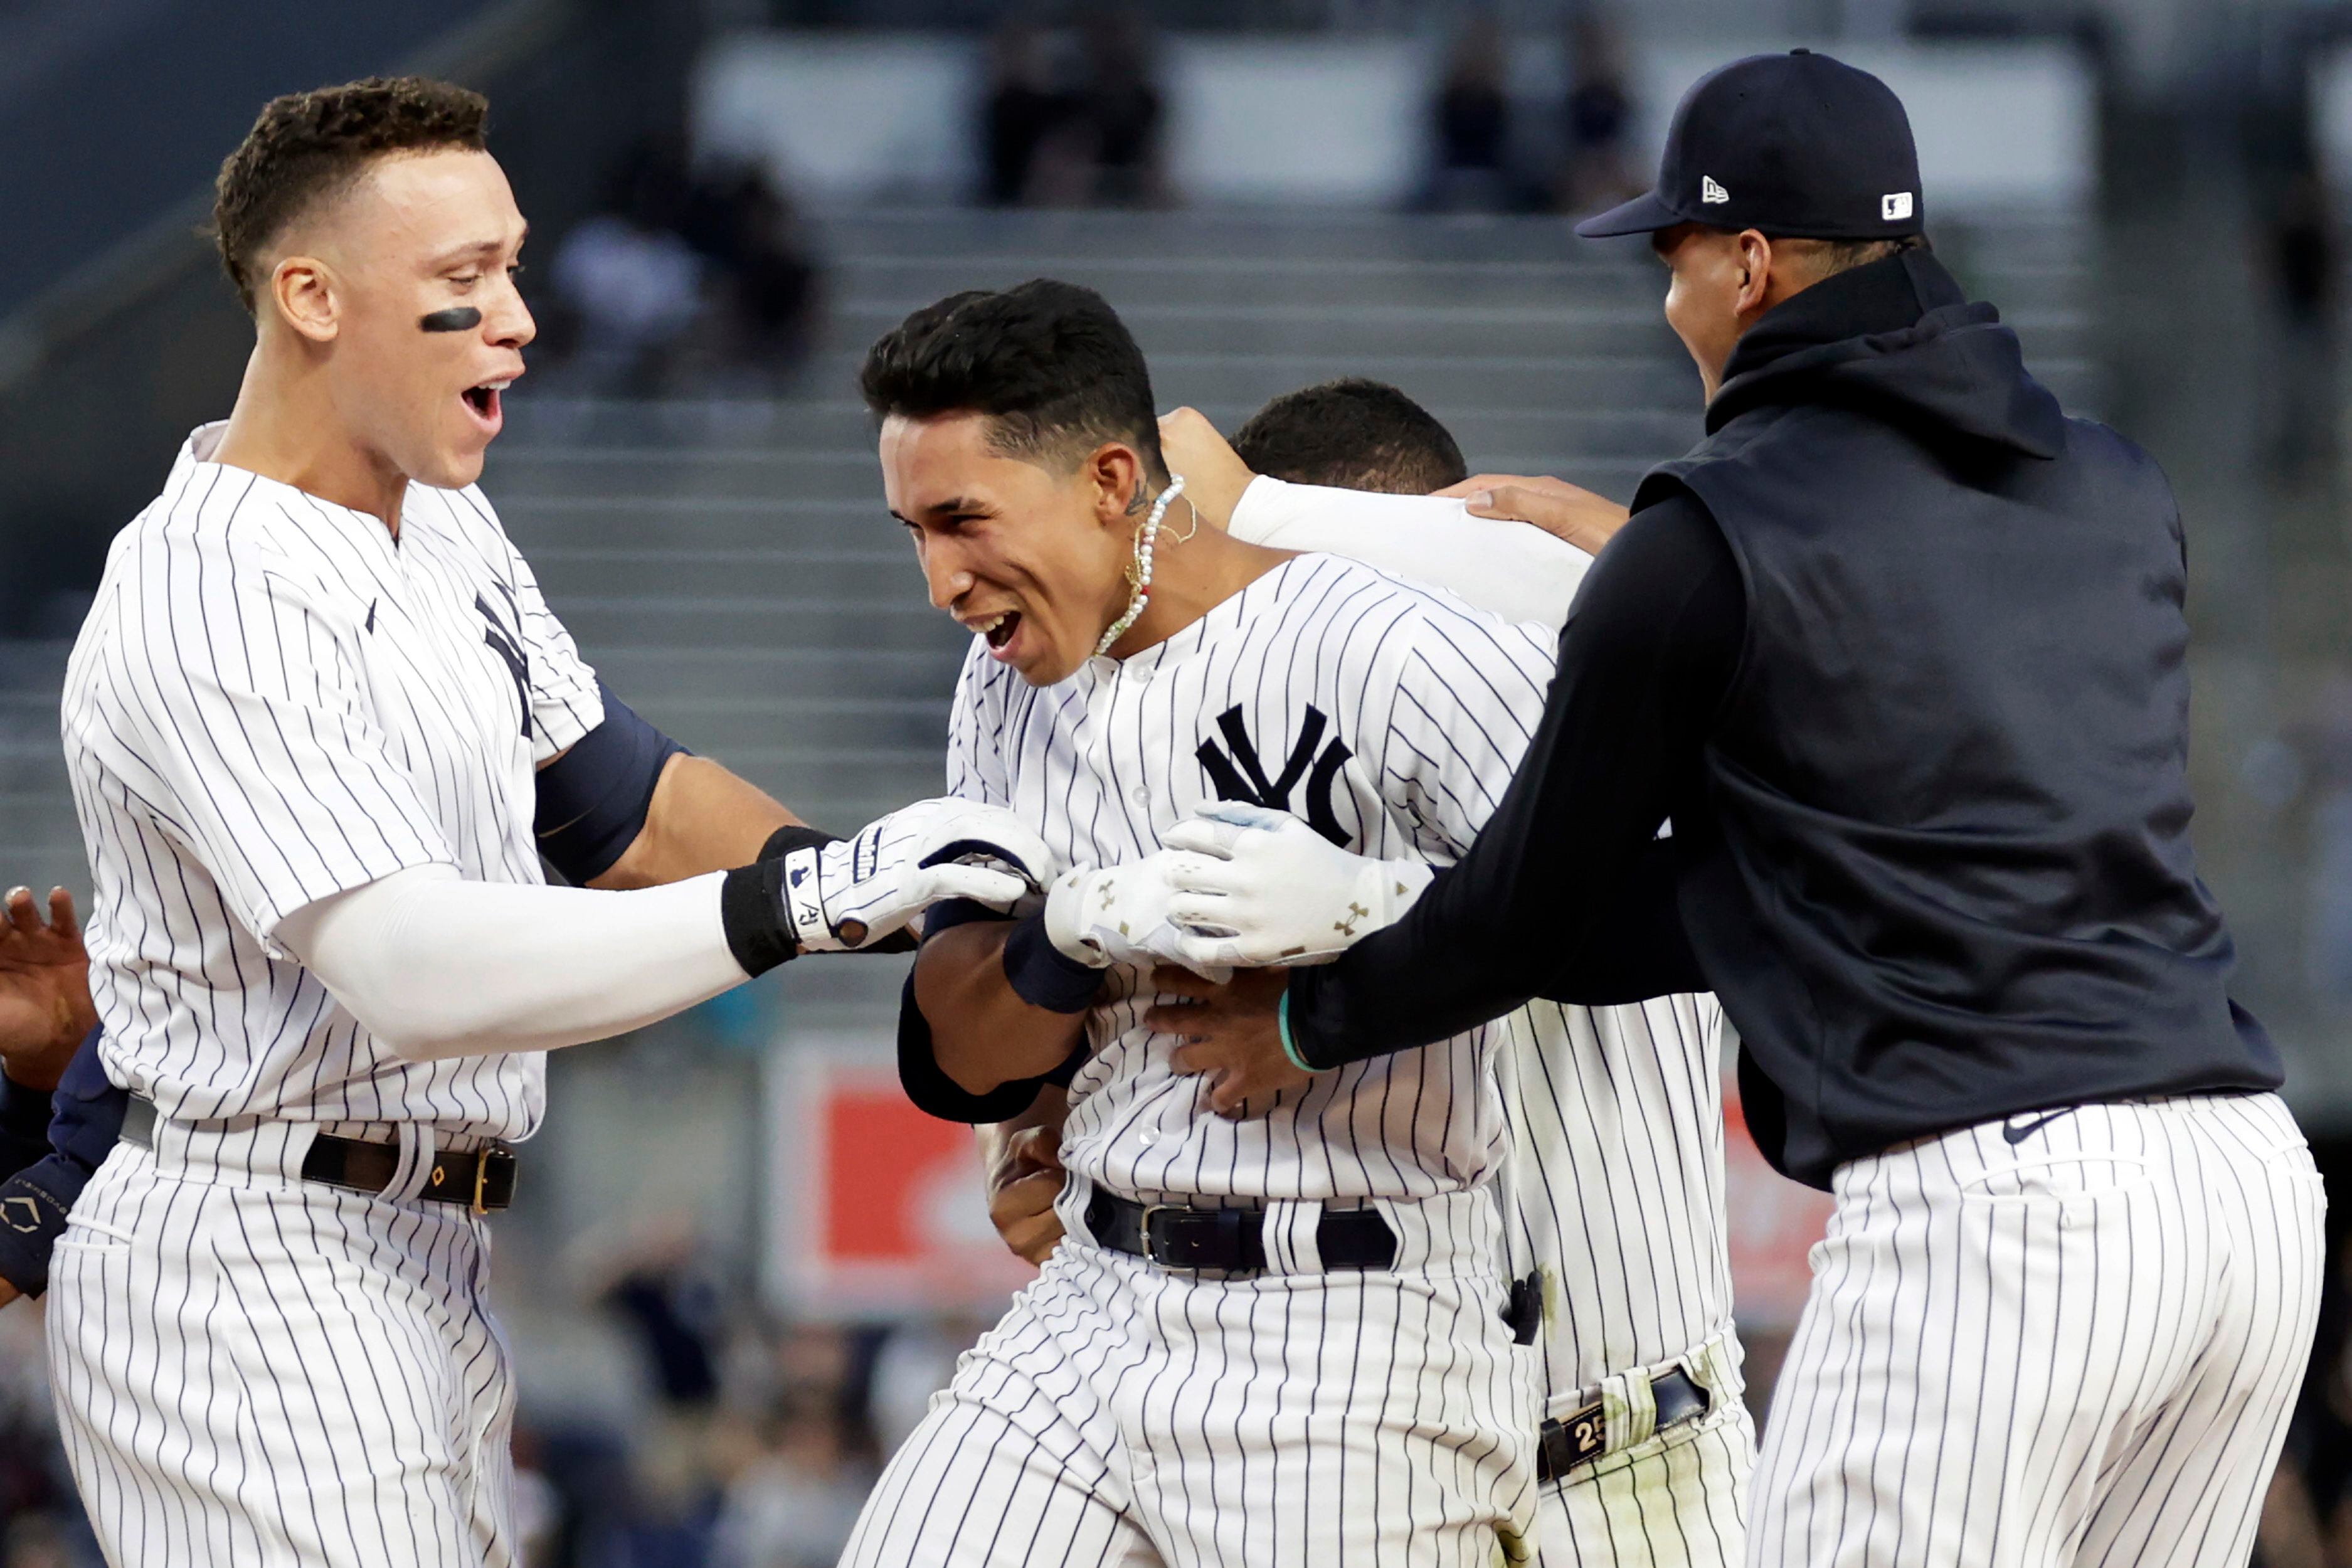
(751, 911)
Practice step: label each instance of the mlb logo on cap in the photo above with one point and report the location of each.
(1797, 145)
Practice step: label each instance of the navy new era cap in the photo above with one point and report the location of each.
(1797, 145)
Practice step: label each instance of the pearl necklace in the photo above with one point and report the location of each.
(1138, 571)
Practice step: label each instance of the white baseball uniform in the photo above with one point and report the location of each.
(272, 700)
(2118, 1301)
(1122, 1412)
(1614, 1187)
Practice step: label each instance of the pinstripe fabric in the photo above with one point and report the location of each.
(2065, 1340)
(1292, 1418)
(249, 1369)
(1388, 713)
(1123, 1413)
(1614, 1194)
(1677, 1501)
(1615, 1183)
(272, 701)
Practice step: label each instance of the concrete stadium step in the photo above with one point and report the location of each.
(1469, 331)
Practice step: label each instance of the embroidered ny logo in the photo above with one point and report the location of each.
(502, 642)
(1242, 777)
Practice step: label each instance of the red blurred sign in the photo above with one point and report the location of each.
(1773, 1223)
(874, 1208)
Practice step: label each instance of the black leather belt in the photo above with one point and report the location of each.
(482, 1179)
(1231, 1240)
(1581, 1437)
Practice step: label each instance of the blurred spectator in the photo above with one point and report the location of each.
(2300, 236)
(761, 268)
(1023, 109)
(630, 283)
(1118, 105)
(794, 1497)
(685, 277)
(1073, 127)
(1472, 116)
(1597, 172)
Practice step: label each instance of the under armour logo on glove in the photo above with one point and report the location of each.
(1242, 777)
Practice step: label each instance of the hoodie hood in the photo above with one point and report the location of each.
(1896, 339)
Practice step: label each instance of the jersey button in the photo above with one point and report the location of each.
(1140, 794)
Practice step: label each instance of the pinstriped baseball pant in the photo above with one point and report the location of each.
(251, 1369)
(1122, 1414)
(1677, 1501)
(2068, 1339)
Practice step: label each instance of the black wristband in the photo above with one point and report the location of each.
(751, 911)
(1044, 975)
(795, 836)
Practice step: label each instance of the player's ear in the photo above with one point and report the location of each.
(1114, 472)
(304, 291)
(1755, 270)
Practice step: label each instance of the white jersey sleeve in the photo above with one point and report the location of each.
(565, 703)
(1467, 697)
(1514, 570)
(231, 707)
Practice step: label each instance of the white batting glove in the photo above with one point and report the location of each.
(1115, 914)
(855, 891)
(1255, 886)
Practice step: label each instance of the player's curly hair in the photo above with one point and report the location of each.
(310, 146)
(1051, 363)
(1354, 434)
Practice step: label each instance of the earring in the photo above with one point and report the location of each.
(1138, 569)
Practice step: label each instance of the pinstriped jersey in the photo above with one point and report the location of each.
(1389, 718)
(273, 700)
(1614, 1188)
(1613, 1191)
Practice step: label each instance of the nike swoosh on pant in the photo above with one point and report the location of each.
(2020, 1134)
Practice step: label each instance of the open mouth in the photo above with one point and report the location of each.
(483, 401)
(1000, 631)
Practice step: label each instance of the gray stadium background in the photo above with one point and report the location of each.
(714, 535)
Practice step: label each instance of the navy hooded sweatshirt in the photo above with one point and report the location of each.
(1899, 650)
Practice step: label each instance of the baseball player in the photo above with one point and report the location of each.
(1278, 1338)
(321, 727)
(1613, 1192)
(1899, 647)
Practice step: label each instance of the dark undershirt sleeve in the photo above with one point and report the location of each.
(1568, 892)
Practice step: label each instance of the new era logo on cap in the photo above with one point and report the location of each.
(1814, 149)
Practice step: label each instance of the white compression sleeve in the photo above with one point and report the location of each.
(1514, 570)
(437, 966)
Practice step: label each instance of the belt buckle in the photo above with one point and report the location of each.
(1143, 1231)
(482, 1158)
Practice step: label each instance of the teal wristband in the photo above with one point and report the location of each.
(1282, 1026)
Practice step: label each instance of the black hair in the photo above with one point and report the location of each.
(1353, 434)
(1050, 364)
(308, 146)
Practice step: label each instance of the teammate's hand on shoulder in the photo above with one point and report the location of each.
(1025, 1178)
(45, 1005)
(1565, 511)
(1254, 885)
(854, 892)
(1214, 474)
(1230, 1035)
